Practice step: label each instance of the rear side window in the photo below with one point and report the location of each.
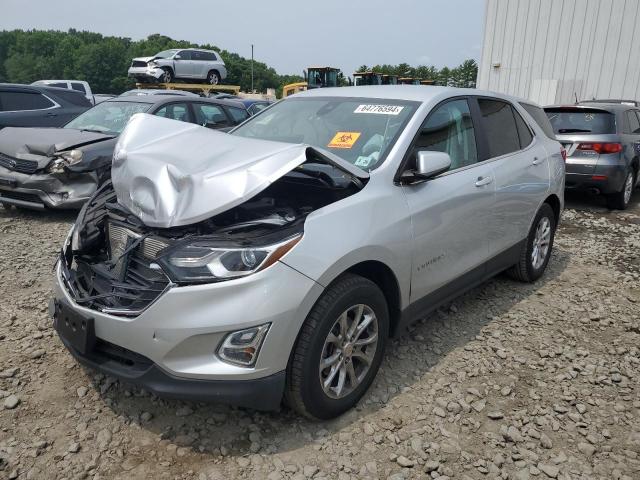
(632, 121)
(523, 130)
(207, 56)
(17, 101)
(72, 97)
(238, 114)
(449, 129)
(78, 86)
(500, 127)
(58, 85)
(588, 121)
(537, 113)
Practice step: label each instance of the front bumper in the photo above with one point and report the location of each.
(42, 190)
(176, 337)
(146, 72)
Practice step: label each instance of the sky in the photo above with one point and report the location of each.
(288, 35)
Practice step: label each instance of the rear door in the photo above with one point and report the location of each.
(450, 213)
(25, 108)
(521, 170)
(210, 115)
(176, 111)
(199, 61)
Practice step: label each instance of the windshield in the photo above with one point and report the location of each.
(581, 120)
(359, 130)
(107, 117)
(166, 53)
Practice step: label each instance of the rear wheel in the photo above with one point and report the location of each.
(620, 200)
(339, 349)
(536, 251)
(167, 75)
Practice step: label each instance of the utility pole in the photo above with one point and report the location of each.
(252, 68)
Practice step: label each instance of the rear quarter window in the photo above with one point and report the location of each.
(587, 121)
(538, 114)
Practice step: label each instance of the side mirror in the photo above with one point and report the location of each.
(177, 57)
(428, 165)
(216, 125)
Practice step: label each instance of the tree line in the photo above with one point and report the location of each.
(26, 56)
(463, 76)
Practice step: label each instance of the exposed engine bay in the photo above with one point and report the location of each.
(115, 263)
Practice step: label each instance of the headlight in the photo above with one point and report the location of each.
(242, 347)
(201, 261)
(152, 64)
(70, 157)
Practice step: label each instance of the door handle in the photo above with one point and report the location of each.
(536, 161)
(482, 181)
(51, 114)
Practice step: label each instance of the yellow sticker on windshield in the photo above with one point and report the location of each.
(344, 140)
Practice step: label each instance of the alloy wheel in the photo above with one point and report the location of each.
(348, 351)
(541, 243)
(213, 79)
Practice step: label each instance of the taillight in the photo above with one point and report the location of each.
(608, 147)
(563, 152)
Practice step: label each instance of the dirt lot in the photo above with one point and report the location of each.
(512, 381)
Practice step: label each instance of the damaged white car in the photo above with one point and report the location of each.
(276, 261)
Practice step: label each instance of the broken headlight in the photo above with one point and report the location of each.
(201, 261)
(70, 157)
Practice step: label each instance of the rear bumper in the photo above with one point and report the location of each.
(605, 179)
(259, 394)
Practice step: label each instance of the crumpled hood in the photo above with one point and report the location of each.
(40, 144)
(143, 59)
(171, 173)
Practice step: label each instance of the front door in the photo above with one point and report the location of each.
(450, 213)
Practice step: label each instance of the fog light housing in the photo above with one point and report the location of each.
(243, 346)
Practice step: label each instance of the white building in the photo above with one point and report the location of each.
(557, 51)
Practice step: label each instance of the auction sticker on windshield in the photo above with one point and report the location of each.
(379, 109)
(344, 140)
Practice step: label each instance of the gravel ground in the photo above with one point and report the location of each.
(511, 381)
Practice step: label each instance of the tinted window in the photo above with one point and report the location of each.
(523, 130)
(206, 113)
(581, 120)
(541, 119)
(632, 121)
(15, 101)
(78, 86)
(500, 127)
(238, 114)
(175, 111)
(449, 129)
(58, 84)
(185, 55)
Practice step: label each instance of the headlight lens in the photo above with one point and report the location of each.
(63, 159)
(152, 64)
(242, 347)
(202, 262)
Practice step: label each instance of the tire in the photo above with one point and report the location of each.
(167, 76)
(213, 78)
(620, 200)
(527, 269)
(304, 391)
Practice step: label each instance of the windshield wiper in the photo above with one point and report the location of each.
(573, 130)
(94, 130)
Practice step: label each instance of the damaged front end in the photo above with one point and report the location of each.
(47, 168)
(193, 207)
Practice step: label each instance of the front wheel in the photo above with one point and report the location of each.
(339, 349)
(167, 76)
(620, 200)
(536, 251)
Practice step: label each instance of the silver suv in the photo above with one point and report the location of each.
(183, 64)
(277, 260)
(602, 141)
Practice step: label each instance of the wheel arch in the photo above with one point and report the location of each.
(554, 202)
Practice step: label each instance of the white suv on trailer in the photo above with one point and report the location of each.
(183, 64)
